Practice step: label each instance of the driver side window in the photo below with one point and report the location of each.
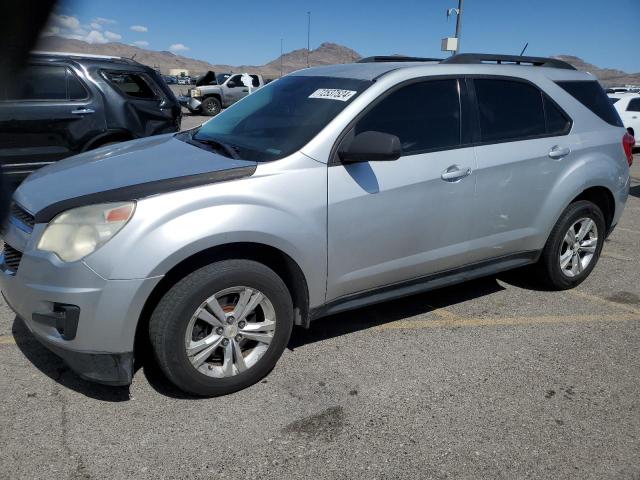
(235, 82)
(425, 116)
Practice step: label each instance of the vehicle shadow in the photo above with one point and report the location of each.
(635, 191)
(53, 367)
(391, 311)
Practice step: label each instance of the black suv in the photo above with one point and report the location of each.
(68, 103)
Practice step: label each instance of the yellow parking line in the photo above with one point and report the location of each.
(604, 301)
(510, 321)
(7, 340)
(442, 313)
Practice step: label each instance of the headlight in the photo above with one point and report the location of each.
(195, 92)
(76, 233)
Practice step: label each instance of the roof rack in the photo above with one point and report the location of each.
(84, 55)
(396, 58)
(476, 58)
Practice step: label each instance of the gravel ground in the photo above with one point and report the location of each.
(490, 379)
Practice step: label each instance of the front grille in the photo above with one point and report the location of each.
(12, 257)
(22, 215)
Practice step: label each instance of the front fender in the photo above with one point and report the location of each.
(167, 229)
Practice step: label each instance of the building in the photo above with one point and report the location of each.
(178, 72)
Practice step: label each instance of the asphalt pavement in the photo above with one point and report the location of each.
(493, 379)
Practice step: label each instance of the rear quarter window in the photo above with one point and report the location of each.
(590, 94)
(131, 84)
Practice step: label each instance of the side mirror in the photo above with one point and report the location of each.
(231, 84)
(371, 146)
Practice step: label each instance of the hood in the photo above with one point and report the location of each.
(208, 78)
(131, 169)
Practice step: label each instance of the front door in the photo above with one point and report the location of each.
(394, 221)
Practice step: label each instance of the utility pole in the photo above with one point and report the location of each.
(281, 58)
(459, 23)
(308, 36)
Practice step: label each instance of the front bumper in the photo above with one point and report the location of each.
(87, 320)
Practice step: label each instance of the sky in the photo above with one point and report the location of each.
(601, 32)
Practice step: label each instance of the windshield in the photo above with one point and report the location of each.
(222, 77)
(282, 117)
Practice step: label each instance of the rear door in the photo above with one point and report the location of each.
(47, 114)
(394, 221)
(525, 143)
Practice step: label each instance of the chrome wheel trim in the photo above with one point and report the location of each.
(578, 247)
(239, 322)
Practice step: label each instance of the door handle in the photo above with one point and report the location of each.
(558, 152)
(82, 111)
(454, 174)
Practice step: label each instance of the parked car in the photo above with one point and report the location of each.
(628, 107)
(184, 81)
(211, 99)
(170, 80)
(330, 189)
(65, 104)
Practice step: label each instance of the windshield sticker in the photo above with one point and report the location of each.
(333, 94)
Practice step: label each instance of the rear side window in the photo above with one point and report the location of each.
(425, 116)
(131, 84)
(40, 82)
(634, 105)
(44, 83)
(255, 81)
(590, 94)
(509, 110)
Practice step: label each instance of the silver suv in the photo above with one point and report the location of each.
(329, 189)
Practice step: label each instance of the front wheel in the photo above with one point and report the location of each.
(574, 246)
(211, 106)
(222, 328)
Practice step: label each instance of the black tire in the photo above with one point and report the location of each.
(211, 106)
(169, 321)
(548, 266)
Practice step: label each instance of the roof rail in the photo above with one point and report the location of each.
(84, 55)
(396, 58)
(476, 58)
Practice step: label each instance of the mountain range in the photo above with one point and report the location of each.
(326, 54)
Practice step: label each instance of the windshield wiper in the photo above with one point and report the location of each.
(218, 145)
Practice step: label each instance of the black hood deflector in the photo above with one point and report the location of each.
(142, 190)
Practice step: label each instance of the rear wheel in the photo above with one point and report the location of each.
(211, 106)
(222, 328)
(574, 246)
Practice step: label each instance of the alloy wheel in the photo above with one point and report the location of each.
(230, 332)
(578, 247)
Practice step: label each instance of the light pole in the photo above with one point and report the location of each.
(308, 35)
(458, 12)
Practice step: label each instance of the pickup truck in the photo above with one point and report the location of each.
(215, 92)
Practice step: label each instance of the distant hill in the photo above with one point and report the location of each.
(607, 76)
(325, 54)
